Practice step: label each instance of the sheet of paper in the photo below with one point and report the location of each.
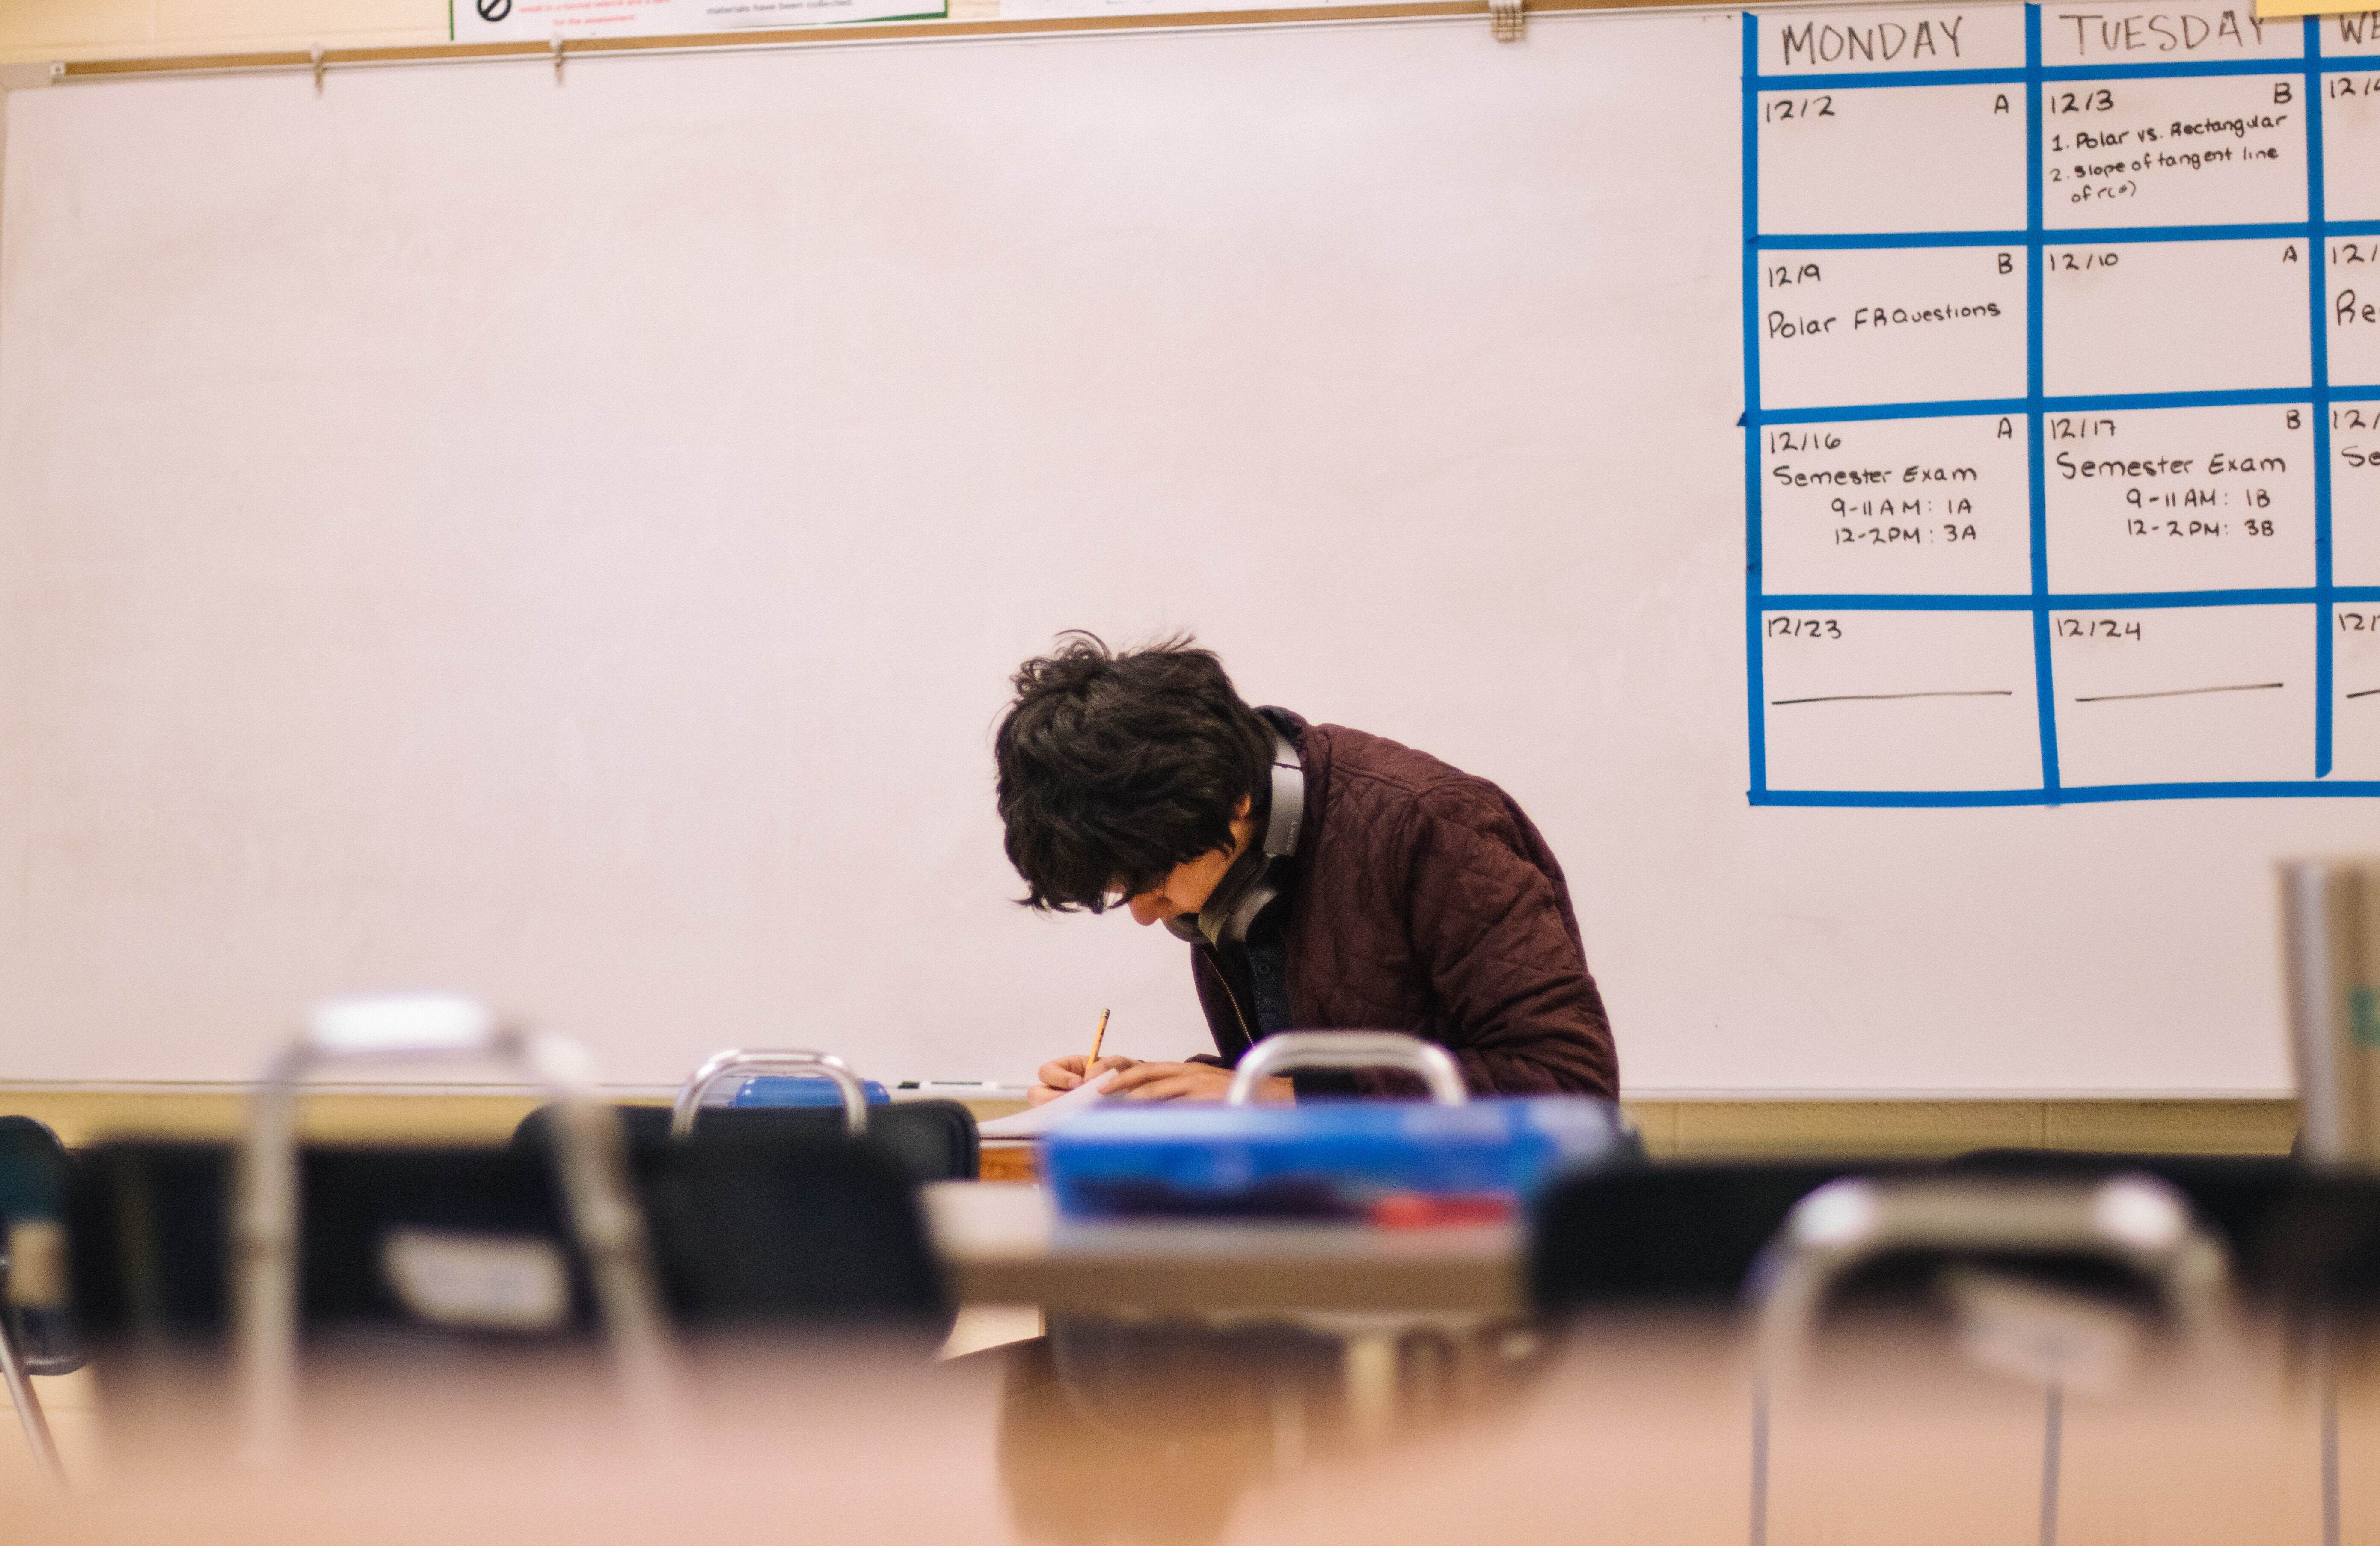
(1036, 1120)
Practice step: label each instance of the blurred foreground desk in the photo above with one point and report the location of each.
(1004, 1244)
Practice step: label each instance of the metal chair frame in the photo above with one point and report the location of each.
(16, 1370)
(736, 1064)
(590, 1160)
(1285, 1050)
(2135, 1221)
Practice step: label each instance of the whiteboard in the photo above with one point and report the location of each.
(568, 541)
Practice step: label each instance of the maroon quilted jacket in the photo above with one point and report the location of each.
(1426, 902)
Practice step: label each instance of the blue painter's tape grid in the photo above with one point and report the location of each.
(2323, 597)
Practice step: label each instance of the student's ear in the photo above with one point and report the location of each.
(1247, 803)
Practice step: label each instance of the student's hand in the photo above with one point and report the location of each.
(1186, 1082)
(1062, 1074)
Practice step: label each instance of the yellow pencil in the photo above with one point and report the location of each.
(1097, 1037)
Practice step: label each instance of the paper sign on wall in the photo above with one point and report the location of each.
(536, 20)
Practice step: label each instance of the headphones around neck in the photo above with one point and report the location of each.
(1253, 883)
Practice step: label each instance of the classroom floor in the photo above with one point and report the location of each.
(1621, 1431)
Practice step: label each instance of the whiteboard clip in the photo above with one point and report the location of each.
(1505, 23)
(557, 59)
(319, 67)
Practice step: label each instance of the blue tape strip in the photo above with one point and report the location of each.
(2037, 501)
(2063, 73)
(2318, 294)
(2049, 236)
(1754, 689)
(2107, 403)
(2071, 794)
(1885, 80)
(1880, 80)
(2049, 600)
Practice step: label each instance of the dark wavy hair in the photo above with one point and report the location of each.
(1114, 768)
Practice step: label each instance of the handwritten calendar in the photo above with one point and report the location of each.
(2062, 383)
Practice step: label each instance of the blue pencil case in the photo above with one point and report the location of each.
(1388, 1161)
(802, 1090)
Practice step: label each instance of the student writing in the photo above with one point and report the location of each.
(1399, 893)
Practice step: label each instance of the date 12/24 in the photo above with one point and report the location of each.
(2095, 627)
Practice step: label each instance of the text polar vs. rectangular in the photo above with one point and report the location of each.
(2062, 369)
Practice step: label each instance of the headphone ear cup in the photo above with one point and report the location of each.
(1249, 886)
(1228, 912)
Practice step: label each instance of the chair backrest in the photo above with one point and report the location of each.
(33, 1171)
(761, 1230)
(1675, 1235)
(1684, 1234)
(471, 1245)
(2233, 1194)
(2050, 1276)
(151, 1250)
(928, 1141)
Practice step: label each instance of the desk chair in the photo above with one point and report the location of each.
(928, 1141)
(37, 1336)
(222, 1260)
(1664, 1235)
(2029, 1265)
(395, 1243)
(771, 1215)
(184, 1252)
(2311, 1255)
(1679, 1234)
(2306, 1242)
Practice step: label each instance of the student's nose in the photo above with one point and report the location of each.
(1147, 908)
